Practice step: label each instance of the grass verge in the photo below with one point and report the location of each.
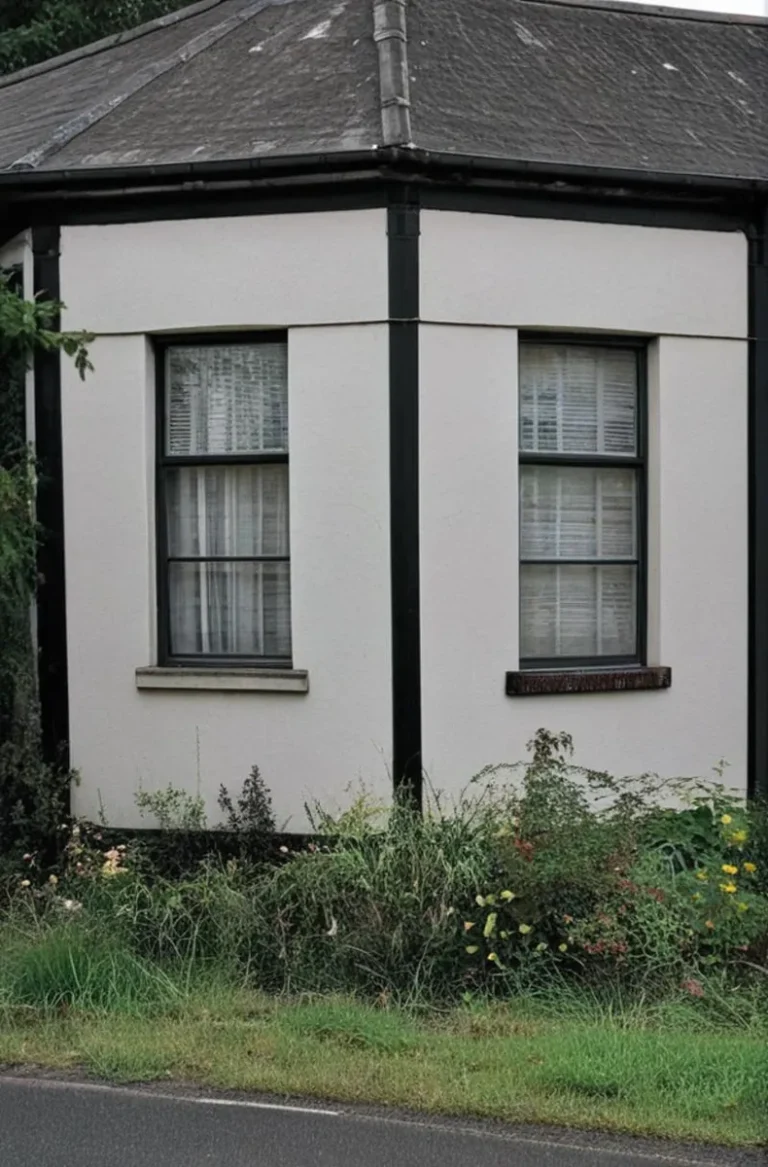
(637, 1072)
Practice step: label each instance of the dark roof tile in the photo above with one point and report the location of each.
(568, 82)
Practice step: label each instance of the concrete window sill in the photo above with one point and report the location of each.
(225, 680)
(540, 683)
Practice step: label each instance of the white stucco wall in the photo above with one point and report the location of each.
(535, 274)
(324, 277)
(126, 280)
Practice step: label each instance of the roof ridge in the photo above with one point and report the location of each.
(138, 81)
(109, 42)
(391, 37)
(640, 8)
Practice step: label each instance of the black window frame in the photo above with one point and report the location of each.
(637, 462)
(165, 462)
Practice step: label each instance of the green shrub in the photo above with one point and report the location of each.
(546, 875)
(68, 967)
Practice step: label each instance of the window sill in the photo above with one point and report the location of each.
(225, 679)
(540, 683)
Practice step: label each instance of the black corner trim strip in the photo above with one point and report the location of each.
(403, 247)
(757, 782)
(529, 683)
(51, 598)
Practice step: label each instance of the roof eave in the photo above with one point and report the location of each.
(387, 162)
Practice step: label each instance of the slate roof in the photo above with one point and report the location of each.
(561, 82)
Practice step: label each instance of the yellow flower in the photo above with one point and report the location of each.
(729, 869)
(524, 929)
(471, 949)
(468, 924)
(480, 901)
(726, 819)
(742, 907)
(541, 948)
(53, 879)
(25, 883)
(504, 935)
(728, 888)
(709, 924)
(562, 948)
(702, 875)
(493, 957)
(750, 868)
(490, 925)
(738, 837)
(697, 896)
(507, 895)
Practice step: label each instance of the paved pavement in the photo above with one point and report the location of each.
(54, 1123)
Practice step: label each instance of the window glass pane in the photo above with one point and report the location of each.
(227, 399)
(577, 610)
(227, 510)
(578, 399)
(571, 512)
(225, 609)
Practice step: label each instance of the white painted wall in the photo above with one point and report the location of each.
(324, 277)
(252, 271)
(544, 273)
(123, 279)
(583, 276)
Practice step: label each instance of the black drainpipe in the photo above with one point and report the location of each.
(758, 505)
(51, 599)
(403, 243)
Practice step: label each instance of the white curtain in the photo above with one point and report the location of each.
(222, 400)
(578, 400)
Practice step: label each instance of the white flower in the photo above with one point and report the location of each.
(334, 928)
(71, 905)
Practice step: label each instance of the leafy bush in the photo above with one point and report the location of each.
(625, 890)
(250, 818)
(548, 875)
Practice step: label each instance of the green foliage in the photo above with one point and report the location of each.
(30, 325)
(554, 877)
(249, 818)
(34, 30)
(173, 809)
(616, 886)
(33, 793)
(70, 968)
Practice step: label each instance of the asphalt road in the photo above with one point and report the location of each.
(51, 1123)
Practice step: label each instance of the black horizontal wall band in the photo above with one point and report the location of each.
(51, 600)
(758, 506)
(403, 247)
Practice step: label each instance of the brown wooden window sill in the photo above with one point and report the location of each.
(540, 683)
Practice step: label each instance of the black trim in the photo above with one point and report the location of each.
(403, 227)
(53, 678)
(527, 683)
(638, 463)
(164, 463)
(758, 507)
